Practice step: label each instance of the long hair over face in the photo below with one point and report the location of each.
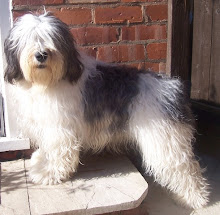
(43, 36)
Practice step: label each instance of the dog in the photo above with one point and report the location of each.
(67, 102)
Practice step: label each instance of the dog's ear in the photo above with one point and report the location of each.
(13, 70)
(74, 65)
(66, 44)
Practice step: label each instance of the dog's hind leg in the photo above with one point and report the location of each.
(167, 155)
(160, 121)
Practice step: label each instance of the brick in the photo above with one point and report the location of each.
(73, 16)
(119, 14)
(19, 2)
(91, 51)
(90, 1)
(134, 0)
(156, 0)
(157, 12)
(17, 14)
(143, 0)
(144, 32)
(138, 210)
(95, 35)
(121, 53)
(140, 65)
(6, 156)
(162, 67)
(157, 51)
(152, 66)
(112, 213)
(13, 155)
(37, 2)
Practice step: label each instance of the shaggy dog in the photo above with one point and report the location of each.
(67, 102)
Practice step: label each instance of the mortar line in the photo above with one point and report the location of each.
(25, 173)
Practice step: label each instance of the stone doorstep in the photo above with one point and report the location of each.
(101, 185)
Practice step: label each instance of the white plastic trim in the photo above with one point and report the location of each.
(10, 142)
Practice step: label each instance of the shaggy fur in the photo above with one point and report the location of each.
(67, 102)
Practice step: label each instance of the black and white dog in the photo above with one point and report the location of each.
(67, 102)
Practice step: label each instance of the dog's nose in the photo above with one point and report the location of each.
(41, 56)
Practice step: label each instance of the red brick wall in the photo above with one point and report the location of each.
(132, 32)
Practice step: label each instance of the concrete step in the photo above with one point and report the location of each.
(101, 185)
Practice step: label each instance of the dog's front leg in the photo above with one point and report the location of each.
(54, 164)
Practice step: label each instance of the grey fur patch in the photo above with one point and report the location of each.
(13, 70)
(109, 92)
(173, 100)
(177, 105)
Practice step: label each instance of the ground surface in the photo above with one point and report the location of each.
(157, 201)
(102, 184)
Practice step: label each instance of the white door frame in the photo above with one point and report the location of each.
(10, 142)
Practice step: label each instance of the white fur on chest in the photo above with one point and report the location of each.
(50, 113)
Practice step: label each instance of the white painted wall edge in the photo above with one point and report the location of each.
(12, 144)
(5, 26)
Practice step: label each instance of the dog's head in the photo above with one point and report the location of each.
(41, 50)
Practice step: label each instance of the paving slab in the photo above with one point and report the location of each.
(13, 196)
(102, 185)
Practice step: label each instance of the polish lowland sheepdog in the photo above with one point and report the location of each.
(67, 102)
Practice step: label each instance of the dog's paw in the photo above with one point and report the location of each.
(46, 178)
(46, 172)
(49, 172)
